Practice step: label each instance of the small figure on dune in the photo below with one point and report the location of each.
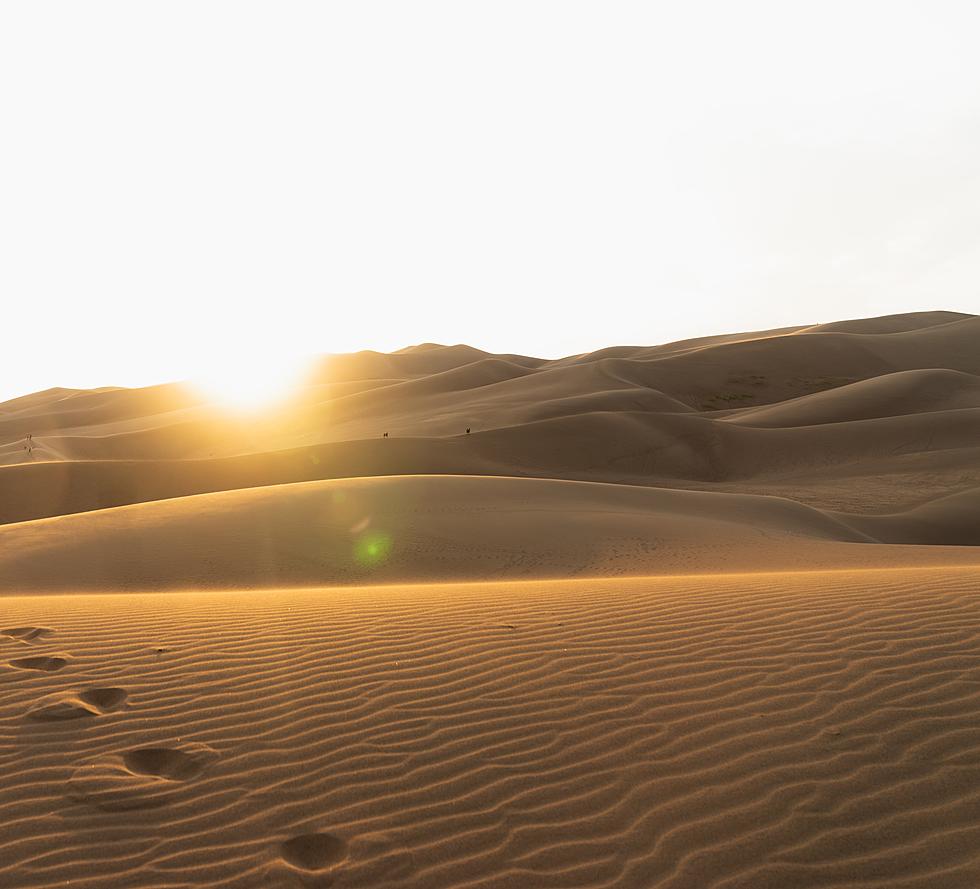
(385, 435)
(467, 430)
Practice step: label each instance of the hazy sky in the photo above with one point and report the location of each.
(188, 183)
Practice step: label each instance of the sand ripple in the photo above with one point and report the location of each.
(735, 732)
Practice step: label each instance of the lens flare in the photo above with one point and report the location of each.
(372, 549)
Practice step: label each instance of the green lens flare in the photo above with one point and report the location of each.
(372, 548)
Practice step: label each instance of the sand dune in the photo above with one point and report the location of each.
(954, 519)
(897, 394)
(913, 456)
(441, 390)
(792, 730)
(786, 412)
(426, 527)
(718, 630)
(437, 528)
(890, 323)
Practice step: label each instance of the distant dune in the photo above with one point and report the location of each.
(890, 395)
(803, 412)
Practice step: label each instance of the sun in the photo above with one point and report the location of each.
(251, 382)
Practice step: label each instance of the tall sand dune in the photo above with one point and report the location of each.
(866, 417)
(890, 323)
(439, 391)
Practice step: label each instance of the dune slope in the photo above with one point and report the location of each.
(403, 528)
(430, 528)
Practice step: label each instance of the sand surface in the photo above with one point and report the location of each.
(702, 614)
(769, 730)
(438, 528)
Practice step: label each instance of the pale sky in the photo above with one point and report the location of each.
(185, 183)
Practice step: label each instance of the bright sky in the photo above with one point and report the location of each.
(185, 183)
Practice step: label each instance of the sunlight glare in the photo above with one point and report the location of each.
(248, 382)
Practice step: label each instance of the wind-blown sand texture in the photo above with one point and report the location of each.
(704, 614)
(759, 730)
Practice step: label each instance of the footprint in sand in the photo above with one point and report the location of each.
(313, 851)
(44, 663)
(140, 778)
(91, 702)
(26, 634)
(168, 763)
